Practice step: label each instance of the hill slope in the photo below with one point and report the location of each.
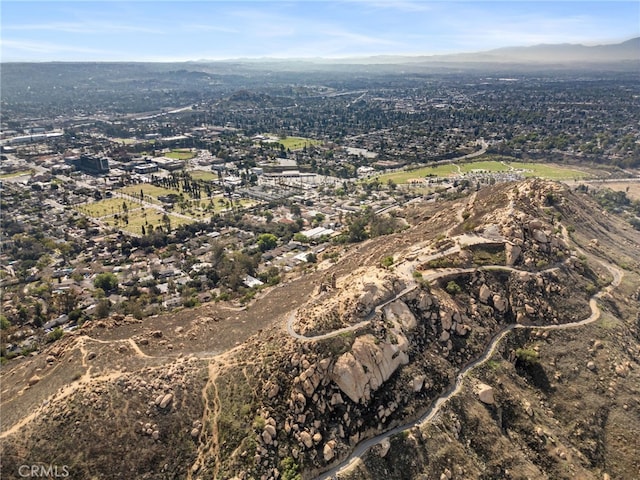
(501, 342)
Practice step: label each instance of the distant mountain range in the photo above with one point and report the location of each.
(628, 51)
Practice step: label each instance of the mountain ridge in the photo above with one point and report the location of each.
(278, 407)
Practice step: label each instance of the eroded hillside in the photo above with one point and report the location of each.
(500, 340)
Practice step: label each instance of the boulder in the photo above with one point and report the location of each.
(500, 303)
(535, 225)
(539, 236)
(485, 393)
(329, 450)
(399, 313)
(446, 320)
(272, 390)
(512, 253)
(418, 383)
(166, 400)
(271, 430)
(383, 447)
(368, 365)
(462, 329)
(305, 438)
(484, 294)
(267, 438)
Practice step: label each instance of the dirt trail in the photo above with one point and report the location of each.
(437, 405)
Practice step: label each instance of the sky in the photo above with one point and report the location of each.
(113, 30)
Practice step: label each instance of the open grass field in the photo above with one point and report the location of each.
(108, 206)
(549, 171)
(16, 174)
(180, 154)
(294, 143)
(203, 175)
(485, 166)
(125, 141)
(149, 190)
(405, 176)
(540, 170)
(146, 217)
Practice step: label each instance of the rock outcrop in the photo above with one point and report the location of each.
(366, 367)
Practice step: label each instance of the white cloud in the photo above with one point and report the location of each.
(356, 39)
(89, 27)
(18, 50)
(401, 5)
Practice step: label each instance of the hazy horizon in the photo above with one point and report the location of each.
(167, 31)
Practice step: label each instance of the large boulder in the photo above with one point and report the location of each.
(399, 313)
(367, 366)
(512, 253)
(485, 393)
(500, 303)
(539, 236)
(484, 294)
(329, 450)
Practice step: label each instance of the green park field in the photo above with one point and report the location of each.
(539, 170)
(548, 171)
(203, 175)
(144, 217)
(149, 190)
(16, 174)
(108, 206)
(180, 154)
(294, 143)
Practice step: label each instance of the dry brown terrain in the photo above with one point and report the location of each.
(222, 391)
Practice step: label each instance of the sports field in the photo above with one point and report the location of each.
(548, 171)
(293, 143)
(180, 154)
(16, 174)
(203, 175)
(539, 170)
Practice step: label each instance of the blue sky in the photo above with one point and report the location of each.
(211, 29)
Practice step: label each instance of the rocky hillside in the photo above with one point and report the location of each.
(501, 341)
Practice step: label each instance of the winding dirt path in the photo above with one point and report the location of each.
(439, 402)
(211, 412)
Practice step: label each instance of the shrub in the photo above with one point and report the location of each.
(527, 356)
(453, 288)
(386, 262)
(55, 335)
(290, 469)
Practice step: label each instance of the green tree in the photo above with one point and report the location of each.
(103, 308)
(107, 281)
(267, 241)
(357, 230)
